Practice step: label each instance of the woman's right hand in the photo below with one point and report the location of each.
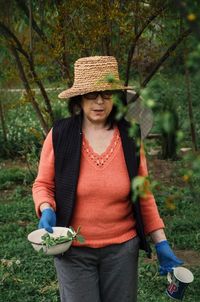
(47, 220)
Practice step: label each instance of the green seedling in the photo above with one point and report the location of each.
(50, 241)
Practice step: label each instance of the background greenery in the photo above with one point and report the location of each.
(157, 46)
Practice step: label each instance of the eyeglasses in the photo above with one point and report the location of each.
(107, 95)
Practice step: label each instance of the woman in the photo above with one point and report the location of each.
(84, 179)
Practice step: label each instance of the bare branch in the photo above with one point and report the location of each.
(28, 89)
(62, 62)
(132, 48)
(40, 33)
(3, 124)
(18, 47)
(164, 57)
(9, 35)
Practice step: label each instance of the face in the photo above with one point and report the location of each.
(97, 106)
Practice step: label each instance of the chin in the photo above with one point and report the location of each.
(97, 120)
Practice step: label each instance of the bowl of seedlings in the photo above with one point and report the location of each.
(54, 243)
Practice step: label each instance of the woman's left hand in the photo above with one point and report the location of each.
(166, 257)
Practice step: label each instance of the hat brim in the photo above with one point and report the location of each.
(75, 91)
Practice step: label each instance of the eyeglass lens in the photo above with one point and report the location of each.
(94, 95)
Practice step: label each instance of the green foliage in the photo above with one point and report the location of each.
(193, 61)
(168, 122)
(169, 94)
(24, 134)
(178, 201)
(22, 129)
(13, 176)
(142, 186)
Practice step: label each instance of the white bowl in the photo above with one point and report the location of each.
(36, 241)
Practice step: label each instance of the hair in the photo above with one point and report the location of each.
(74, 107)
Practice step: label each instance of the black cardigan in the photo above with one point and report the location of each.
(67, 142)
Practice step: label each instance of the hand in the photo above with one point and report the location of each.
(166, 257)
(47, 220)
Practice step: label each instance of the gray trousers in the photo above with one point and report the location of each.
(107, 274)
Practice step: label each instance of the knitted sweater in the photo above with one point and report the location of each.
(102, 209)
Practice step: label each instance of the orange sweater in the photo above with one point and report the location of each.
(102, 208)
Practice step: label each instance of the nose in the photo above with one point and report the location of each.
(99, 99)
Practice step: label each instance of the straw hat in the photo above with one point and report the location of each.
(98, 73)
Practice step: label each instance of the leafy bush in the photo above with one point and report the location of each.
(14, 176)
(23, 130)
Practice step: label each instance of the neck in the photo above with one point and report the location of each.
(87, 124)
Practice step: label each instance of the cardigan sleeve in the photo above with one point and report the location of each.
(149, 210)
(43, 186)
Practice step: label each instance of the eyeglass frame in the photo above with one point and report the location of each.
(106, 94)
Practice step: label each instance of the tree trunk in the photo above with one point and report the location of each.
(3, 122)
(30, 59)
(106, 39)
(189, 101)
(65, 68)
(30, 29)
(28, 90)
(137, 49)
(42, 89)
(169, 141)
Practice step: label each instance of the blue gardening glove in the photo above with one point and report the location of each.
(166, 257)
(47, 220)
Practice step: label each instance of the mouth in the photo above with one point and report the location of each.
(98, 110)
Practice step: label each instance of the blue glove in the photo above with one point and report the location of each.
(47, 220)
(166, 257)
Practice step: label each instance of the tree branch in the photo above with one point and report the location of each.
(9, 35)
(3, 122)
(132, 48)
(28, 89)
(41, 34)
(164, 57)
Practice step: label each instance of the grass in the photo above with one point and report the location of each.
(25, 275)
(28, 276)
